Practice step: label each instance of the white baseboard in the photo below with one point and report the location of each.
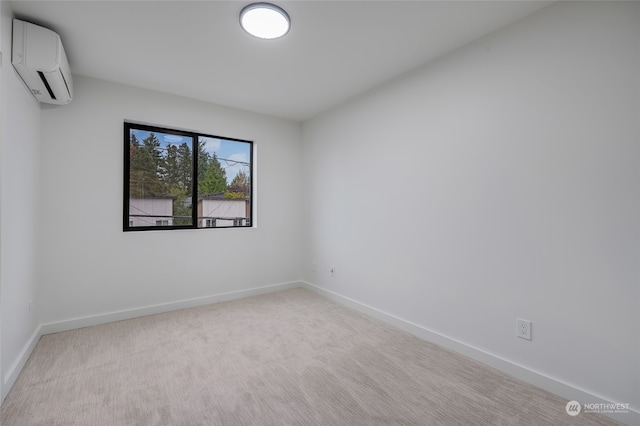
(15, 369)
(71, 324)
(557, 387)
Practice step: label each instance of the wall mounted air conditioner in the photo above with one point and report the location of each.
(38, 56)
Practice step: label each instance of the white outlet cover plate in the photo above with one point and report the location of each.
(523, 328)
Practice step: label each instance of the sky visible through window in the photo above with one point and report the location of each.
(233, 156)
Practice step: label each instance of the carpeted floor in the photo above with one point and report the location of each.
(286, 358)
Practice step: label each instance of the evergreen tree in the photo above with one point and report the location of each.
(185, 167)
(240, 186)
(212, 178)
(157, 164)
(203, 162)
(179, 168)
(172, 166)
(147, 167)
(135, 171)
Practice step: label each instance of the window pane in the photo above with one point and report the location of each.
(182, 179)
(224, 182)
(160, 178)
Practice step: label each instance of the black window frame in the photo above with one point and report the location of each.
(126, 227)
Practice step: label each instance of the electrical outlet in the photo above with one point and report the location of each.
(333, 271)
(523, 329)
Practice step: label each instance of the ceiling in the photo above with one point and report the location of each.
(335, 50)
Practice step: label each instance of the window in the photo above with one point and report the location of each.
(176, 179)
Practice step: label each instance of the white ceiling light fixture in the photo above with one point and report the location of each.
(265, 20)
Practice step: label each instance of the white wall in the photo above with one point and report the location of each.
(90, 267)
(19, 212)
(517, 157)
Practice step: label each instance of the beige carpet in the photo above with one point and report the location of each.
(287, 358)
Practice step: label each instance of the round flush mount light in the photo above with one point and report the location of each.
(265, 20)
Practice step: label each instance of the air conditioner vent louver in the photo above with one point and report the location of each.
(46, 85)
(39, 57)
